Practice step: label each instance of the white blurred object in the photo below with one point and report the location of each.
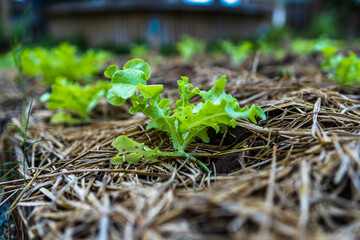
(279, 14)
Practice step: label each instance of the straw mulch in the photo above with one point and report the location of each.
(293, 176)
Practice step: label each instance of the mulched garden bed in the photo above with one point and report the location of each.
(295, 175)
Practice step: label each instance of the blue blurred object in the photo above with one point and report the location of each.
(199, 2)
(154, 25)
(230, 3)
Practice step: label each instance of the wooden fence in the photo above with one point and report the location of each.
(166, 25)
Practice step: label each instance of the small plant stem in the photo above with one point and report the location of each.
(184, 154)
(195, 160)
(201, 164)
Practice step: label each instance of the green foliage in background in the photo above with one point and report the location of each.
(62, 61)
(7, 60)
(72, 101)
(325, 24)
(345, 70)
(272, 42)
(269, 49)
(304, 46)
(237, 52)
(139, 50)
(189, 47)
(187, 121)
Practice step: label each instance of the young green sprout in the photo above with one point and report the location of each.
(183, 124)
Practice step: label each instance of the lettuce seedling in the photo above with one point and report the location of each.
(139, 50)
(183, 124)
(74, 100)
(62, 61)
(237, 52)
(302, 46)
(344, 70)
(188, 47)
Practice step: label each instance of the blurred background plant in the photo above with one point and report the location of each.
(72, 102)
(189, 47)
(139, 50)
(326, 24)
(6, 61)
(345, 70)
(237, 52)
(63, 61)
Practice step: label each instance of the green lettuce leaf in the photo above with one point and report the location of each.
(186, 122)
(62, 61)
(131, 151)
(344, 70)
(61, 117)
(73, 99)
(125, 82)
(189, 47)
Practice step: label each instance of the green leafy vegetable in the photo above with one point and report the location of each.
(271, 43)
(237, 52)
(188, 47)
(73, 99)
(344, 70)
(187, 122)
(62, 61)
(139, 50)
(6, 60)
(303, 46)
(132, 151)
